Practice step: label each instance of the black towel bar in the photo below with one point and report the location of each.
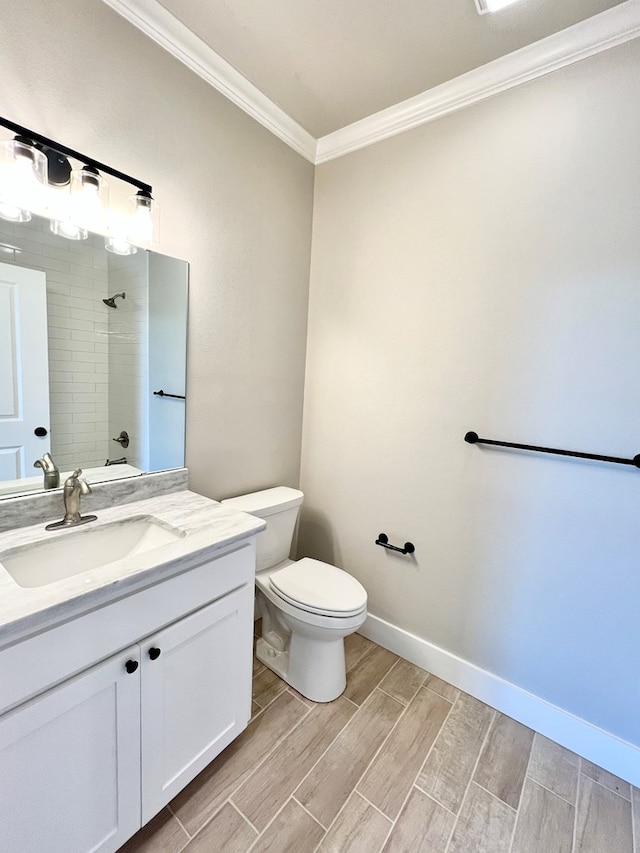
(473, 438)
(162, 393)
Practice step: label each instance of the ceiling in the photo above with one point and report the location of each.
(329, 63)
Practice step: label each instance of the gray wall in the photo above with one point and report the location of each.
(235, 202)
(477, 273)
(482, 273)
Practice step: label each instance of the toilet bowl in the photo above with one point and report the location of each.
(308, 607)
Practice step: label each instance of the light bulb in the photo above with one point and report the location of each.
(89, 198)
(23, 178)
(63, 222)
(119, 245)
(143, 226)
(68, 229)
(13, 214)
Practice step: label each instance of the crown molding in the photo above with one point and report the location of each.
(172, 35)
(608, 29)
(594, 35)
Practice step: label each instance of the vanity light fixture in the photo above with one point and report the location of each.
(36, 175)
(484, 6)
(23, 178)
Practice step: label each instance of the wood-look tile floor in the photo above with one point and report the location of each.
(402, 763)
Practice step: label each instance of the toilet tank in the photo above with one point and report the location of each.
(279, 507)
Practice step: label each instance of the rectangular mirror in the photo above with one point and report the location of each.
(88, 339)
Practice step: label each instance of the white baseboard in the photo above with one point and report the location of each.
(595, 744)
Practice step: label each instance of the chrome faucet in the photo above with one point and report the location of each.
(74, 487)
(51, 473)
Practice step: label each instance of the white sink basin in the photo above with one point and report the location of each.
(74, 553)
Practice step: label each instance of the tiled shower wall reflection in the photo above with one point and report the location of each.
(91, 346)
(128, 356)
(78, 350)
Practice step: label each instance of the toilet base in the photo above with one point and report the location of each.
(314, 668)
(305, 649)
(276, 661)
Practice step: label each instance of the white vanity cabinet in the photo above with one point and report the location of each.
(85, 763)
(70, 764)
(195, 695)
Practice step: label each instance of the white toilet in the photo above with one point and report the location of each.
(307, 606)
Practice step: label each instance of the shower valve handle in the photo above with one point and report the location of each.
(123, 439)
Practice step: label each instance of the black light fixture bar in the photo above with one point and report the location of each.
(77, 155)
(473, 438)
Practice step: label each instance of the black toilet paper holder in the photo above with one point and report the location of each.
(383, 541)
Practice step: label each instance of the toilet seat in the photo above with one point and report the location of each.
(320, 588)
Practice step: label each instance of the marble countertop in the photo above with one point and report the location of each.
(209, 528)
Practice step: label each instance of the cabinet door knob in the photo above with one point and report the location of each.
(154, 652)
(131, 666)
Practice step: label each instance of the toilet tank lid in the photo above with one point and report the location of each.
(267, 501)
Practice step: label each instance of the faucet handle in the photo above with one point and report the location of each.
(75, 480)
(46, 463)
(49, 461)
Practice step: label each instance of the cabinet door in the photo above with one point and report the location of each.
(70, 764)
(196, 694)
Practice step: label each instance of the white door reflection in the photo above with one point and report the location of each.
(24, 371)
